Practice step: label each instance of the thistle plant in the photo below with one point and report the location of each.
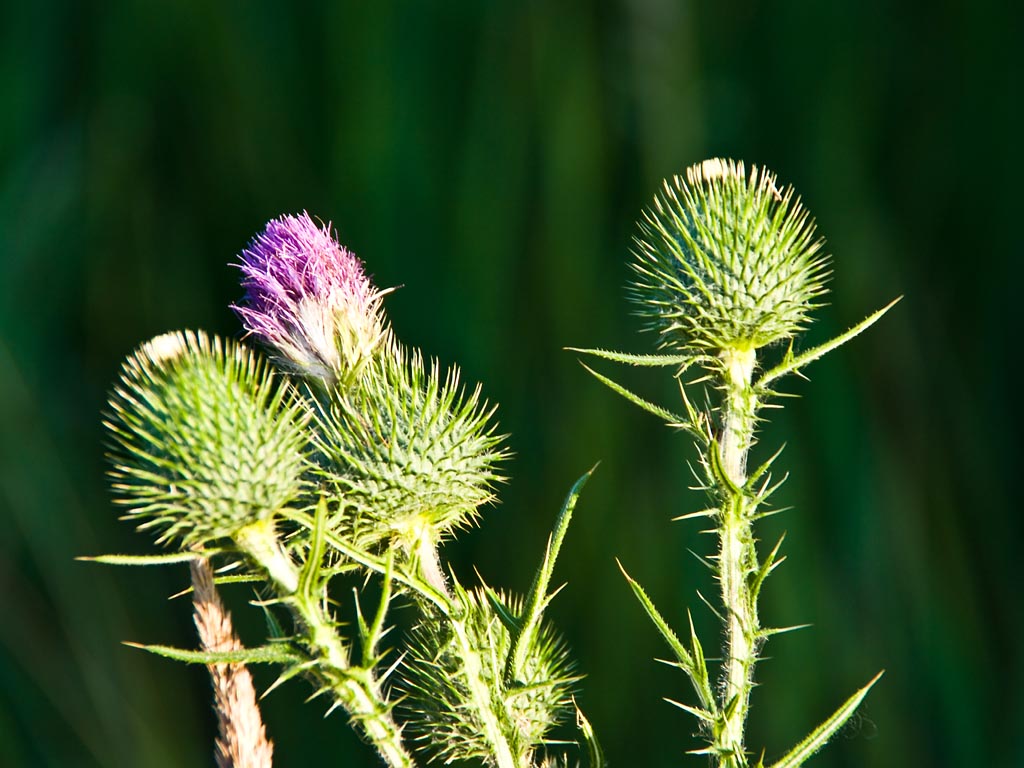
(339, 456)
(728, 268)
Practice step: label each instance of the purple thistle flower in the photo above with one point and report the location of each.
(309, 298)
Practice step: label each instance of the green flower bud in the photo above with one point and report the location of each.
(410, 452)
(726, 260)
(203, 441)
(448, 670)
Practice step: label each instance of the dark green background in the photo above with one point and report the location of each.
(491, 158)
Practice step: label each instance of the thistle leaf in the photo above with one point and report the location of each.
(793, 363)
(168, 559)
(275, 653)
(641, 360)
(537, 597)
(595, 754)
(769, 565)
(670, 418)
(512, 623)
(373, 562)
(759, 472)
(371, 636)
(690, 661)
(820, 735)
(681, 654)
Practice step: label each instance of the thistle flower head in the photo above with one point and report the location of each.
(726, 260)
(409, 450)
(445, 666)
(310, 299)
(203, 442)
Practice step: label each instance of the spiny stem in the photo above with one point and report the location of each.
(354, 688)
(482, 697)
(430, 565)
(737, 558)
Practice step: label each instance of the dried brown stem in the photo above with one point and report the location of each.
(242, 740)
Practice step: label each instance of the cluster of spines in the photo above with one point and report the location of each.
(449, 660)
(409, 449)
(725, 259)
(203, 439)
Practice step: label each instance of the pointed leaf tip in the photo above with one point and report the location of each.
(662, 413)
(817, 738)
(635, 359)
(792, 363)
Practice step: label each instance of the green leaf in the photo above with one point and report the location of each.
(276, 653)
(537, 598)
(669, 417)
(682, 655)
(817, 738)
(719, 474)
(512, 623)
(700, 677)
(692, 663)
(792, 363)
(630, 359)
(757, 473)
(700, 714)
(371, 636)
(310, 576)
(769, 565)
(169, 559)
(662, 626)
(374, 563)
(594, 751)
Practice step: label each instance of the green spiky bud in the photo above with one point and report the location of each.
(204, 442)
(459, 702)
(413, 453)
(726, 260)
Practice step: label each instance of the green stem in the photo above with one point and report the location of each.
(481, 695)
(737, 556)
(354, 688)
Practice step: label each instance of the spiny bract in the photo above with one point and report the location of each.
(203, 440)
(443, 667)
(726, 260)
(410, 453)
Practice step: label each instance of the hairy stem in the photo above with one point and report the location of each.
(481, 694)
(737, 556)
(354, 688)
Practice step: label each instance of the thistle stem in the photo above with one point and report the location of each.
(483, 697)
(354, 688)
(737, 556)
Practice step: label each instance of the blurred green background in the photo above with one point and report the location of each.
(491, 158)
